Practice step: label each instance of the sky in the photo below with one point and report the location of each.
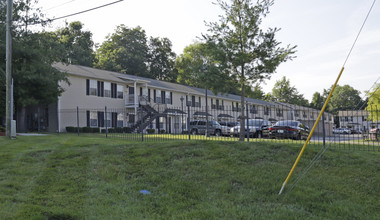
(323, 30)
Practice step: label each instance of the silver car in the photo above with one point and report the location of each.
(256, 127)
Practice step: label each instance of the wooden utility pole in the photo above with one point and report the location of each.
(8, 70)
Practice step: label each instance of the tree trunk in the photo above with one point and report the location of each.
(242, 117)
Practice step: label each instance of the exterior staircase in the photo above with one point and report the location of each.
(149, 114)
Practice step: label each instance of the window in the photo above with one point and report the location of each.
(93, 119)
(93, 87)
(108, 119)
(158, 96)
(253, 109)
(192, 101)
(120, 120)
(167, 98)
(107, 89)
(266, 110)
(120, 91)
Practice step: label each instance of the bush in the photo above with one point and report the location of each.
(127, 130)
(71, 129)
(150, 131)
(162, 132)
(2, 129)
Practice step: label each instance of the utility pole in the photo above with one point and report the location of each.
(8, 70)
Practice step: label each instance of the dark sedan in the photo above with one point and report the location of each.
(289, 129)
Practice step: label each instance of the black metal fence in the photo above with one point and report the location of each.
(282, 123)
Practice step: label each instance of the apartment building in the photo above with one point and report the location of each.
(100, 98)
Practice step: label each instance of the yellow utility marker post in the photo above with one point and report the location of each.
(311, 133)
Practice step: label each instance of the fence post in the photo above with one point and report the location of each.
(105, 112)
(188, 119)
(247, 121)
(78, 120)
(323, 130)
(142, 122)
(38, 120)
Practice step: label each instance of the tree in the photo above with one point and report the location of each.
(249, 53)
(197, 68)
(78, 44)
(35, 80)
(284, 92)
(161, 59)
(374, 104)
(317, 101)
(124, 51)
(343, 98)
(255, 92)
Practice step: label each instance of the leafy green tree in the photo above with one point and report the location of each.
(284, 92)
(255, 92)
(124, 51)
(317, 101)
(161, 59)
(35, 80)
(374, 104)
(197, 68)
(249, 53)
(78, 44)
(344, 98)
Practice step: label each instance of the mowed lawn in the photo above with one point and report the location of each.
(70, 177)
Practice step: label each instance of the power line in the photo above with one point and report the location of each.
(77, 13)
(57, 6)
(357, 36)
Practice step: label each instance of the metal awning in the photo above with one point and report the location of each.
(224, 116)
(171, 111)
(201, 114)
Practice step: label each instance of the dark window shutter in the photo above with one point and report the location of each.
(88, 118)
(100, 119)
(199, 99)
(171, 98)
(102, 89)
(141, 91)
(99, 89)
(163, 97)
(114, 119)
(154, 95)
(113, 90)
(148, 94)
(87, 87)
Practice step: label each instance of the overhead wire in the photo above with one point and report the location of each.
(77, 13)
(323, 149)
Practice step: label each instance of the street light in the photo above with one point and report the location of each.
(182, 112)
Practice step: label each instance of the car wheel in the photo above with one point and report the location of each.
(259, 135)
(217, 133)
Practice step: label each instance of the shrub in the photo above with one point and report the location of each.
(162, 132)
(127, 130)
(71, 129)
(2, 129)
(150, 131)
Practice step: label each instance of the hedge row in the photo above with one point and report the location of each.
(71, 129)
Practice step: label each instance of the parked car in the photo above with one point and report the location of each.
(199, 127)
(341, 131)
(289, 129)
(226, 127)
(256, 127)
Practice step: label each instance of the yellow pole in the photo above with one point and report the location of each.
(311, 133)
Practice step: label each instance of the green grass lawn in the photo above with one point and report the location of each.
(70, 177)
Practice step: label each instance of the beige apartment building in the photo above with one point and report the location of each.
(100, 98)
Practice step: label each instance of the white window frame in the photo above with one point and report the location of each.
(93, 90)
(120, 91)
(107, 89)
(93, 119)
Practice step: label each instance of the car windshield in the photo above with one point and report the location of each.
(255, 122)
(287, 123)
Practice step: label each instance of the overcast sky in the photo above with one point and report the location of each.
(323, 31)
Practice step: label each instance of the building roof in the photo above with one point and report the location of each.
(94, 73)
